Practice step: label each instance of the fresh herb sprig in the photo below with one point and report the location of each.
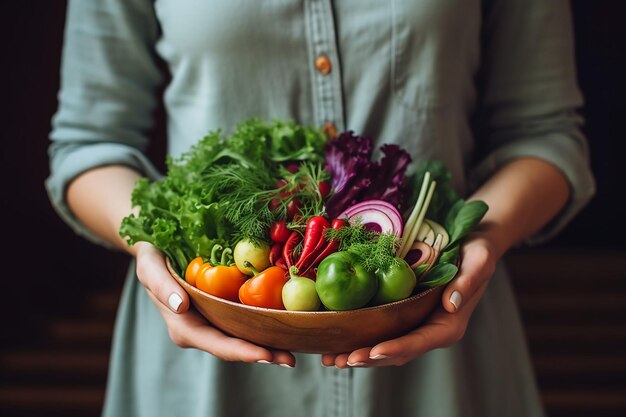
(189, 210)
(303, 185)
(376, 250)
(246, 196)
(242, 193)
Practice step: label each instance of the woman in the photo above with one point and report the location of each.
(487, 87)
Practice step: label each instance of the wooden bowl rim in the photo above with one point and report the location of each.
(291, 312)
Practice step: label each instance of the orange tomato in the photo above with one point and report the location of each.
(191, 273)
(265, 289)
(221, 281)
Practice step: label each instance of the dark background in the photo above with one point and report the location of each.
(48, 271)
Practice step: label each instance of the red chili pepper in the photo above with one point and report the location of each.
(310, 273)
(289, 246)
(275, 253)
(281, 263)
(331, 247)
(337, 224)
(313, 241)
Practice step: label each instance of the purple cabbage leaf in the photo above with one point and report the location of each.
(356, 178)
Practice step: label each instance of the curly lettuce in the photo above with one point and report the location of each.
(187, 212)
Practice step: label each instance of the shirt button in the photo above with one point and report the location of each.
(322, 63)
(330, 130)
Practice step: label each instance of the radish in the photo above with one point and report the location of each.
(376, 215)
(418, 253)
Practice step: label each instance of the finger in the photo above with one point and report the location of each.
(153, 274)
(415, 343)
(191, 330)
(441, 330)
(412, 345)
(228, 348)
(341, 361)
(328, 359)
(383, 360)
(283, 358)
(477, 268)
(359, 357)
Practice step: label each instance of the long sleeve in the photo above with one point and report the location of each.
(109, 78)
(530, 98)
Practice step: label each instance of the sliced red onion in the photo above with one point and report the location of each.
(376, 215)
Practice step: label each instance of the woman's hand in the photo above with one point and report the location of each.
(523, 196)
(445, 326)
(187, 328)
(100, 198)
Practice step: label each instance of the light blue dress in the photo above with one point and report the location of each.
(473, 83)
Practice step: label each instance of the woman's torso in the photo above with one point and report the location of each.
(400, 72)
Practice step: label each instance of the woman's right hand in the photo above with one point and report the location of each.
(186, 327)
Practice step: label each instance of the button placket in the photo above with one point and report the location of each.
(323, 65)
(326, 71)
(328, 109)
(330, 130)
(339, 386)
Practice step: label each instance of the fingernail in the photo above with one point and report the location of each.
(263, 361)
(285, 365)
(456, 299)
(356, 364)
(175, 301)
(376, 357)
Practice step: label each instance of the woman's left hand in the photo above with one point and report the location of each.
(445, 326)
(523, 196)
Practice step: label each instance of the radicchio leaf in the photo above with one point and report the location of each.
(389, 183)
(355, 177)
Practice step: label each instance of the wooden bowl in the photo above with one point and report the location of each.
(313, 331)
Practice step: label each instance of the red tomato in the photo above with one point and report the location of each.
(265, 289)
(279, 232)
(191, 273)
(292, 167)
(284, 194)
(274, 204)
(221, 281)
(293, 208)
(324, 187)
(281, 184)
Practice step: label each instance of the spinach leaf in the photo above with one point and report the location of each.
(421, 269)
(451, 216)
(465, 219)
(451, 254)
(441, 274)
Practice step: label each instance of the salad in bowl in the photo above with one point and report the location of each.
(289, 239)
